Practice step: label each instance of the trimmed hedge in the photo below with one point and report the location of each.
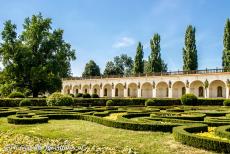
(223, 131)
(184, 134)
(25, 102)
(210, 101)
(16, 94)
(189, 99)
(14, 102)
(26, 120)
(226, 102)
(58, 99)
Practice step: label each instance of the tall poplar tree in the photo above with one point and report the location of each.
(189, 50)
(156, 64)
(138, 60)
(226, 41)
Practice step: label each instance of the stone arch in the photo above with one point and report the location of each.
(76, 89)
(132, 90)
(107, 90)
(147, 90)
(162, 90)
(119, 90)
(178, 89)
(217, 88)
(85, 89)
(67, 89)
(96, 89)
(197, 88)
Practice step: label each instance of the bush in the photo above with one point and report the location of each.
(16, 95)
(72, 95)
(86, 95)
(95, 96)
(25, 102)
(226, 102)
(150, 102)
(210, 101)
(109, 103)
(189, 99)
(58, 99)
(79, 95)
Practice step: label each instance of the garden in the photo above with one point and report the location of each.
(66, 124)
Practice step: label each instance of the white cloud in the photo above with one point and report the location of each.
(124, 42)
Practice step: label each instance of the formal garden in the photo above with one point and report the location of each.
(63, 123)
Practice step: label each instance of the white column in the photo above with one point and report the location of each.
(139, 92)
(126, 92)
(187, 90)
(101, 93)
(113, 92)
(154, 92)
(170, 93)
(207, 93)
(227, 92)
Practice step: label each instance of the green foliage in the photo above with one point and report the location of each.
(58, 99)
(25, 102)
(190, 51)
(150, 102)
(109, 103)
(155, 63)
(16, 94)
(138, 66)
(72, 95)
(226, 41)
(226, 102)
(79, 95)
(33, 120)
(121, 65)
(37, 58)
(91, 69)
(95, 96)
(86, 95)
(189, 99)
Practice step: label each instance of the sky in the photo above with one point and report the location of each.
(102, 29)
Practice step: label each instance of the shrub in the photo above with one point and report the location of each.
(79, 95)
(149, 102)
(25, 102)
(226, 102)
(58, 99)
(95, 96)
(16, 95)
(72, 95)
(109, 103)
(189, 99)
(86, 95)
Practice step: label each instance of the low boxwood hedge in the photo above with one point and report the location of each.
(223, 131)
(184, 134)
(27, 120)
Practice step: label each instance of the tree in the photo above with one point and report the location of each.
(121, 65)
(156, 64)
(91, 69)
(226, 41)
(190, 51)
(37, 58)
(138, 60)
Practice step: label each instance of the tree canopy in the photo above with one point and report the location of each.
(226, 42)
(36, 59)
(138, 66)
(91, 69)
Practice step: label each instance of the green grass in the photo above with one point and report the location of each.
(91, 133)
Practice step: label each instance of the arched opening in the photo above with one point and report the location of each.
(162, 90)
(85, 89)
(178, 89)
(197, 88)
(132, 90)
(107, 90)
(217, 88)
(119, 90)
(96, 89)
(147, 90)
(67, 90)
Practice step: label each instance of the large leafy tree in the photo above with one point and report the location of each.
(121, 65)
(156, 64)
(189, 50)
(226, 41)
(38, 58)
(91, 69)
(138, 66)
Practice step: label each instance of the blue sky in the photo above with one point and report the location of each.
(102, 29)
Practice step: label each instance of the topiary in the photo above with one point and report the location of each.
(58, 99)
(226, 102)
(95, 96)
(150, 102)
(16, 94)
(109, 103)
(25, 102)
(86, 95)
(79, 95)
(72, 95)
(189, 99)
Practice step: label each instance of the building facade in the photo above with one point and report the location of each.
(202, 84)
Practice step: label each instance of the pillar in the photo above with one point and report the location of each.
(170, 92)
(154, 92)
(139, 92)
(125, 92)
(227, 92)
(113, 92)
(101, 93)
